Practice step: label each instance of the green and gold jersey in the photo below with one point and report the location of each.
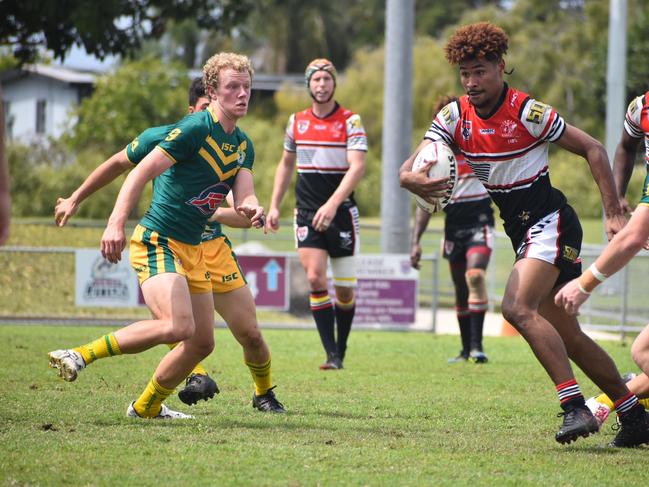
(144, 143)
(206, 162)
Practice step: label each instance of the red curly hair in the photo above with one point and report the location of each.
(480, 40)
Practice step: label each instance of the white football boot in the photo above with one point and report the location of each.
(165, 413)
(68, 363)
(599, 410)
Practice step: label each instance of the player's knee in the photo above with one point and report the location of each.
(476, 282)
(640, 354)
(178, 330)
(344, 294)
(252, 339)
(516, 313)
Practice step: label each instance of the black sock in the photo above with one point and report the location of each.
(323, 314)
(344, 318)
(477, 324)
(464, 320)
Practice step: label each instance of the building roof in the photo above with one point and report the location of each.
(59, 73)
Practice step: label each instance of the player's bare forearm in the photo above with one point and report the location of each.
(231, 218)
(623, 162)
(104, 174)
(421, 223)
(283, 176)
(351, 178)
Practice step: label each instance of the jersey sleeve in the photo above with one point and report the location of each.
(248, 154)
(541, 120)
(289, 139)
(356, 136)
(144, 143)
(184, 140)
(632, 118)
(444, 124)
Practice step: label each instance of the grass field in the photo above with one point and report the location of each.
(397, 415)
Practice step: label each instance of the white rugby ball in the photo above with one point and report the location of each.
(444, 166)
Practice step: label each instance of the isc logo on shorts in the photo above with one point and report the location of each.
(570, 254)
(231, 277)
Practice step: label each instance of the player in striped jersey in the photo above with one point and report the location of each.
(329, 144)
(228, 282)
(468, 242)
(203, 156)
(504, 135)
(627, 243)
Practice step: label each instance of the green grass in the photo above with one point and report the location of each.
(397, 415)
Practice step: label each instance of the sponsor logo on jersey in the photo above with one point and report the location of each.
(487, 131)
(466, 129)
(569, 253)
(446, 114)
(524, 216)
(537, 112)
(338, 126)
(302, 126)
(210, 198)
(301, 233)
(508, 128)
(513, 99)
(320, 126)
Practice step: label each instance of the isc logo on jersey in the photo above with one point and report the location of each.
(210, 198)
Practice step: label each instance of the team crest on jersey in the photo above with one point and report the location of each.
(210, 198)
(508, 128)
(241, 156)
(302, 126)
(301, 233)
(466, 129)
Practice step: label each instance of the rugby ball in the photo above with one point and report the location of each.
(444, 166)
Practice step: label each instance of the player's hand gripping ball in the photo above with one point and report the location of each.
(444, 166)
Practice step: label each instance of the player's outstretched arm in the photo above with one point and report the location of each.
(113, 240)
(620, 250)
(421, 223)
(623, 167)
(229, 216)
(245, 200)
(103, 174)
(418, 182)
(579, 142)
(283, 175)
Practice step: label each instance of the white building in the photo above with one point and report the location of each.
(37, 99)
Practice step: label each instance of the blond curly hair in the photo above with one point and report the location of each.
(222, 61)
(480, 40)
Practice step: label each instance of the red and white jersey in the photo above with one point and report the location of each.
(636, 122)
(508, 151)
(321, 145)
(470, 204)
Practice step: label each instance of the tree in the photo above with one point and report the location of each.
(105, 27)
(140, 94)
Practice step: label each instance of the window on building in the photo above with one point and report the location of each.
(40, 116)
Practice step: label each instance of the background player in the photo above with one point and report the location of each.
(468, 242)
(619, 252)
(232, 297)
(329, 144)
(209, 155)
(504, 135)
